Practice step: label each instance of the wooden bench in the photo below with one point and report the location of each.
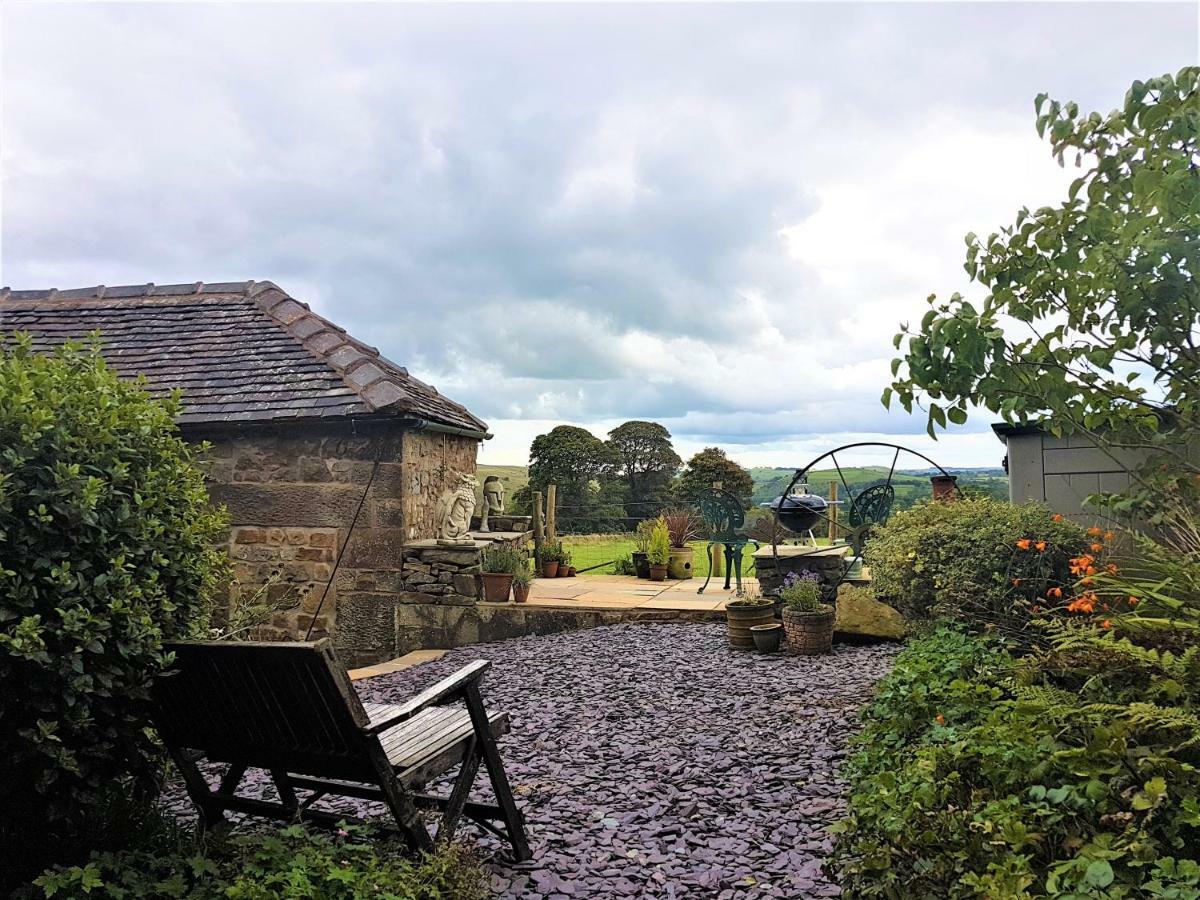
(289, 708)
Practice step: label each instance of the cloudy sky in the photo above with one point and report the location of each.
(711, 216)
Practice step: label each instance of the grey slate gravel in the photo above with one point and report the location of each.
(652, 761)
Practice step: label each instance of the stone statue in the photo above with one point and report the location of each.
(493, 499)
(454, 511)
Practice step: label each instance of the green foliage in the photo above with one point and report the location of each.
(961, 559)
(624, 566)
(803, 595)
(108, 548)
(291, 863)
(712, 465)
(659, 549)
(978, 776)
(647, 463)
(503, 559)
(1090, 312)
(583, 467)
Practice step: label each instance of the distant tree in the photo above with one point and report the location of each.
(647, 463)
(584, 468)
(712, 465)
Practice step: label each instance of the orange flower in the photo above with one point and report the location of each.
(1096, 548)
(1111, 568)
(1094, 531)
(1134, 601)
(1041, 546)
(1057, 517)
(1016, 582)
(1106, 624)
(1108, 535)
(940, 719)
(1083, 603)
(1023, 544)
(1055, 592)
(1035, 608)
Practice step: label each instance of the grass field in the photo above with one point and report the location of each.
(589, 550)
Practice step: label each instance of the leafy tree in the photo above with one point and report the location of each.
(107, 548)
(582, 466)
(648, 464)
(711, 465)
(1091, 317)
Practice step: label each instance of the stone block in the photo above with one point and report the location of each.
(366, 624)
(859, 614)
(467, 585)
(314, 506)
(374, 548)
(248, 536)
(323, 539)
(465, 557)
(317, 554)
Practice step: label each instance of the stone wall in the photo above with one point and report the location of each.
(292, 492)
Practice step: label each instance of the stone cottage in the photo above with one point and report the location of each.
(311, 430)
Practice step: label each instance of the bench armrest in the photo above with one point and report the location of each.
(445, 689)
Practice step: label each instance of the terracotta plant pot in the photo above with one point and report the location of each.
(563, 570)
(657, 572)
(550, 569)
(520, 593)
(641, 564)
(809, 633)
(496, 586)
(571, 572)
(741, 617)
(767, 638)
(679, 564)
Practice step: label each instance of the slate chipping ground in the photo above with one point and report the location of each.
(652, 761)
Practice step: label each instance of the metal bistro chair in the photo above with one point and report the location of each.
(723, 515)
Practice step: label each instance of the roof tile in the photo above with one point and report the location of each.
(238, 351)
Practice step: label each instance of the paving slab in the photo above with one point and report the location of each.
(407, 661)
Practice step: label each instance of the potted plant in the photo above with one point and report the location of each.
(641, 541)
(767, 638)
(807, 622)
(520, 586)
(548, 558)
(742, 615)
(564, 563)
(498, 566)
(659, 552)
(683, 528)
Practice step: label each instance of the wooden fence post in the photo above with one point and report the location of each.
(833, 512)
(538, 534)
(551, 512)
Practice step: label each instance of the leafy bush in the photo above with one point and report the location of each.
(978, 776)
(107, 544)
(659, 550)
(503, 559)
(291, 863)
(981, 561)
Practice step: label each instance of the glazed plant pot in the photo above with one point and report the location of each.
(767, 638)
(641, 564)
(679, 564)
(520, 593)
(550, 569)
(496, 586)
(809, 633)
(658, 572)
(741, 617)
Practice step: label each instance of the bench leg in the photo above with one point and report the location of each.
(462, 788)
(399, 803)
(729, 564)
(211, 812)
(513, 820)
(709, 553)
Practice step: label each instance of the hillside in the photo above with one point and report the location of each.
(911, 484)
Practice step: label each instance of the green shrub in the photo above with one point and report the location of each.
(659, 550)
(961, 560)
(503, 559)
(291, 863)
(977, 776)
(107, 545)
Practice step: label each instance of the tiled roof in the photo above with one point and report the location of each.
(239, 351)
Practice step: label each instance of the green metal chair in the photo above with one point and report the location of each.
(871, 507)
(723, 517)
